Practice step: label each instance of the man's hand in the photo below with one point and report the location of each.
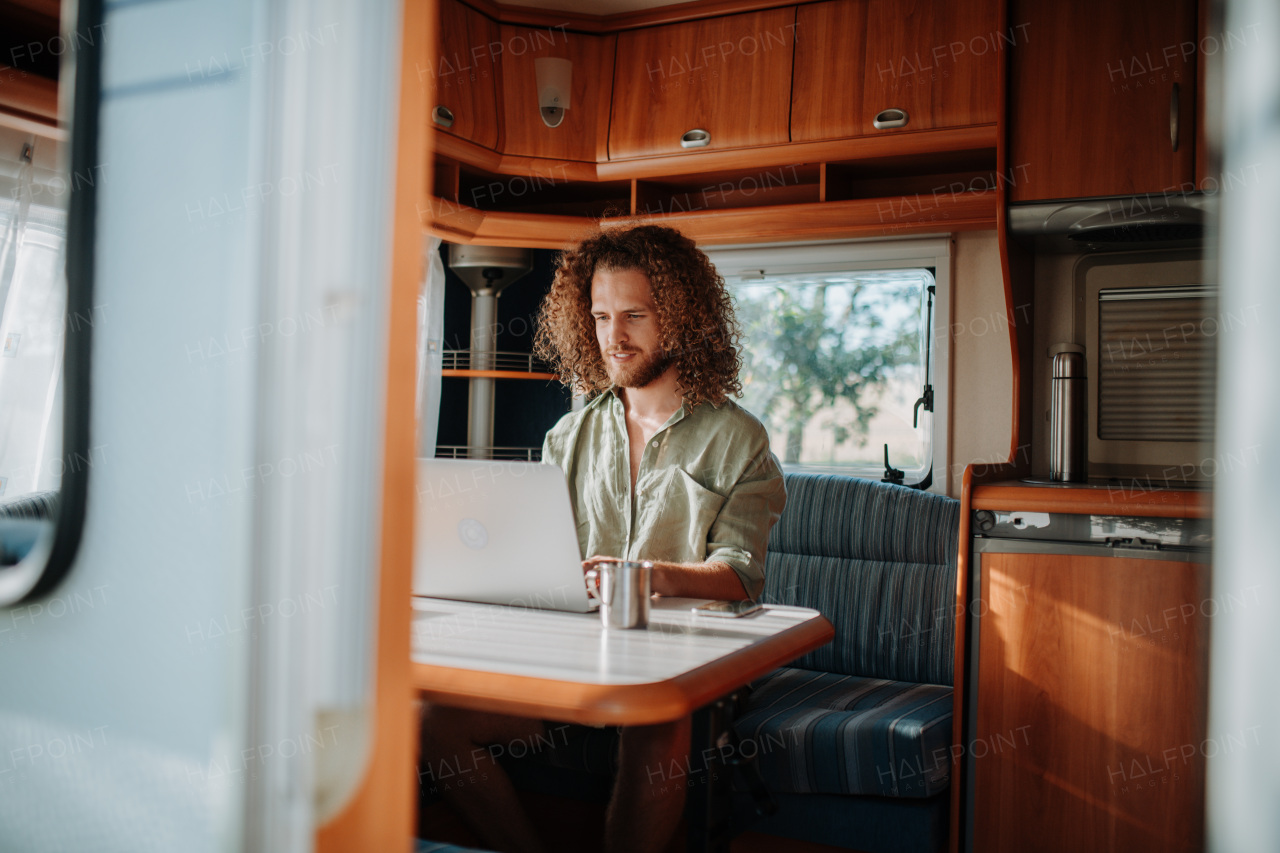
(592, 562)
(713, 580)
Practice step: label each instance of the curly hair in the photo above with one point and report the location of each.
(696, 324)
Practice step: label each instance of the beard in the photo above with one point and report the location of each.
(639, 371)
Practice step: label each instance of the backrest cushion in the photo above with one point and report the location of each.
(879, 561)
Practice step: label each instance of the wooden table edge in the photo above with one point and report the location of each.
(616, 704)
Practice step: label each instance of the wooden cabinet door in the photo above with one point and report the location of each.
(729, 76)
(463, 78)
(1092, 94)
(583, 133)
(934, 59)
(1091, 705)
(826, 94)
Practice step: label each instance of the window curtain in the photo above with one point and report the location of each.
(33, 302)
(430, 346)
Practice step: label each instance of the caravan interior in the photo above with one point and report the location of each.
(1002, 276)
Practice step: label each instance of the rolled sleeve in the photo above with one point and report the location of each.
(740, 534)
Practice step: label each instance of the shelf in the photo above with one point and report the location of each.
(924, 142)
(496, 374)
(473, 364)
(462, 451)
(924, 213)
(909, 183)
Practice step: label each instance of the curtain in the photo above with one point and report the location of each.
(430, 346)
(33, 302)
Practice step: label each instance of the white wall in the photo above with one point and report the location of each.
(981, 360)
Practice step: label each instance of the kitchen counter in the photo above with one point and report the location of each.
(1126, 497)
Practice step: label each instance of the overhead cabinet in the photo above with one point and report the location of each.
(768, 109)
(717, 83)
(578, 134)
(1102, 98)
(463, 79)
(865, 67)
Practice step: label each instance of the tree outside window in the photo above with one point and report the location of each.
(833, 365)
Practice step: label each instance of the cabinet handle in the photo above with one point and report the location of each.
(696, 138)
(892, 117)
(1173, 117)
(442, 116)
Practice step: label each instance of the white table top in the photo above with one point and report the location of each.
(575, 647)
(566, 665)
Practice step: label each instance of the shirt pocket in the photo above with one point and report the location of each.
(689, 509)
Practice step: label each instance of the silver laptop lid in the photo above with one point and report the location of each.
(497, 532)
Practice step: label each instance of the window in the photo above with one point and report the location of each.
(47, 179)
(33, 302)
(836, 353)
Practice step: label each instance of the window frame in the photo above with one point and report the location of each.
(739, 264)
(49, 552)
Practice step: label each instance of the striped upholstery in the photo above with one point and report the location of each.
(878, 560)
(823, 733)
(31, 505)
(870, 713)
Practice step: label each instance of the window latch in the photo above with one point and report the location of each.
(925, 400)
(891, 474)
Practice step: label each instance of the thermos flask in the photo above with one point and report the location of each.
(1067, 421)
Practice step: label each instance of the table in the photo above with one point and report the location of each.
(565, 666)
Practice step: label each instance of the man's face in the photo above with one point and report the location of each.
(627, 327)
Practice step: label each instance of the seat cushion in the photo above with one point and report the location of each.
(821, 732)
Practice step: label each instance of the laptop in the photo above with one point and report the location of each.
(497, 532)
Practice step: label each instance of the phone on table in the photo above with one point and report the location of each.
(727, 609)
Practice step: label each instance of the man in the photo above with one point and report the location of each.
(661, 466)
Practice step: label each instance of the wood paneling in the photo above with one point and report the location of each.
(947, 145)
(826, 92)
(380, 814)
(832, 220)
(1091, 721)
(1089, 97)
(729, 76)
(619, 21)
(28, 96)
(463, 76)
(583, 133)
(935, 59)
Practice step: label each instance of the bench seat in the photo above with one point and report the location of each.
(825, 733)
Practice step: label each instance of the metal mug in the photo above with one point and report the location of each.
(623, 592)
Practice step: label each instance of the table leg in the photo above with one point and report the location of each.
(714, 756)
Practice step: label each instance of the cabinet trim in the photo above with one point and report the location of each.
(829, 220)
(619, 21)
(858, 148)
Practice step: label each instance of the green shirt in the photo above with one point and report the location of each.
(708, 488)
